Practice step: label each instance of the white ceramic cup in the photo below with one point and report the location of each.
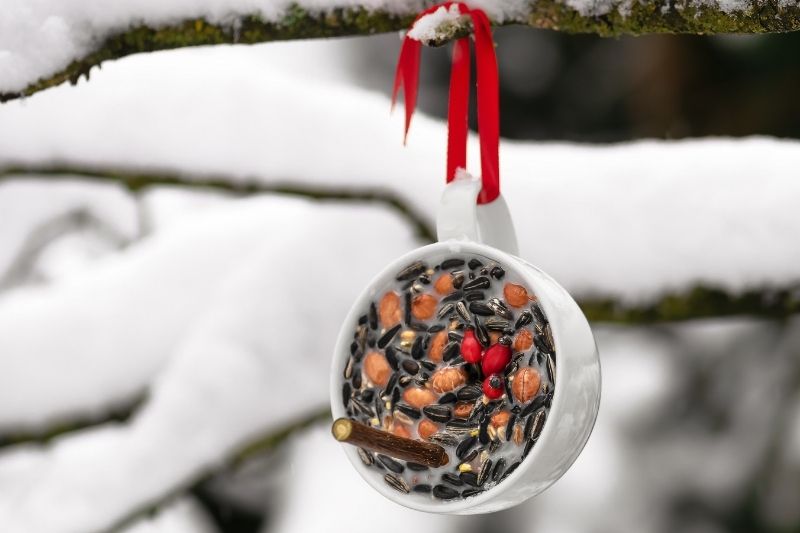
(464, 227)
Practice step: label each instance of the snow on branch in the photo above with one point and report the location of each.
(57, 43)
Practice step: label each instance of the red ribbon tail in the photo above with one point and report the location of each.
(458, 109)
(407, 77)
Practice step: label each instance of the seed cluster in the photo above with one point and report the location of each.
(458, 353)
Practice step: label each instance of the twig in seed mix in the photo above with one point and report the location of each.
(357, 434)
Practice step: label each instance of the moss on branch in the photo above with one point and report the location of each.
(641, 17)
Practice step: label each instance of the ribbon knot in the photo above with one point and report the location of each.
(407, 76)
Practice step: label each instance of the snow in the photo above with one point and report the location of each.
(40, 38)
(427, 27)
(183, 516)
(656, 208)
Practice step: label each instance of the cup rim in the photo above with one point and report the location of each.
(342, 352)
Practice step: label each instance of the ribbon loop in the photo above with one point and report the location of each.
(407, 76)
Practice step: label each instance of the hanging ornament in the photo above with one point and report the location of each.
(464, 379)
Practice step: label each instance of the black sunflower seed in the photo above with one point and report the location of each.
(477, 284)
(510, 470)
(445, 310)
(390, 384)
(541, 342)
(461, 309)
(444, 438)
(366, 457)
(357, 380)
(451, 263)
(477, 413)
(416, 466)
(525, 318)
(458, 280)
(391, 357)
(444, 492)
(535, 404)
(404, 380)
(459, 425)
(395, 395)
(516, 409)
(411, 271)
(447, 397)
(497, 471)
(464, 446)
(362, 320)
(348, 368)
(484, 271)
(498, 272)
(397, 483)
(367, 395)
(483, 433)
(391, 464)
(510, 427)
(496, 324)
(346, 392)
(454, 336)
(453, 296)
(425, 489)
(387, 337)
(470, 456)
(483, 474)
(407, 308)
(469, 392)
(450, 351)
(363, 407)
(436, 328)
(418, 326)
(453, 479)
(551, 368)
(406, 409)
(410, 366)
(535, 430)
(371, 340)
(470, 492)
(470, 478)
(474, 263)
(481, 309)
(538, 314)
(428, 365)
(437, 412)
(528, 447)
(474, 295)
(481, 333)
(373, 316)
(353, 348)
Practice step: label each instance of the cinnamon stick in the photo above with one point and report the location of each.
(415, 451)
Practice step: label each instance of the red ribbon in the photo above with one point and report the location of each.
(407, 75)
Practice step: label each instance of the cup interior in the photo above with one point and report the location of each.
(544, 352)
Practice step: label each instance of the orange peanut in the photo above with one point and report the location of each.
(447, 379)
(426, 429)
(500, 419)
(437, 347)
(377, 368)
(515, 295)
(526, 384)
(418, 397)
(423, 307)
(462, 410)
(389, 309)
(444, 284)
(523, 340)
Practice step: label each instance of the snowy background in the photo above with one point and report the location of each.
(181, 236)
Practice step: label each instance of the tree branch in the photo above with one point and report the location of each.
(618, 17)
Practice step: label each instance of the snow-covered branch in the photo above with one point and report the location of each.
(48, 46)
(136, 180)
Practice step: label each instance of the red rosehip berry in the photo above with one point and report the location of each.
(470, 348)
(493, 387)
(495, 359)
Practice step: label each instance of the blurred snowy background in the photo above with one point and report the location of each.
(181, 236)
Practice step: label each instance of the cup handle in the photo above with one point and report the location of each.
(460, 216)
